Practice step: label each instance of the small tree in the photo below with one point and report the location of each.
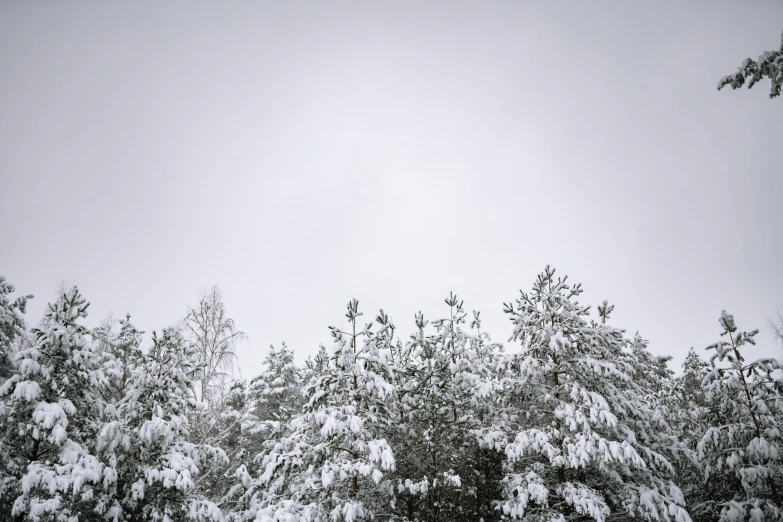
(742, 447)
(12, 325)
(688, 413)
(277, 392)
(120, 355)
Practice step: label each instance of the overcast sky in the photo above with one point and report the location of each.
(299, 154)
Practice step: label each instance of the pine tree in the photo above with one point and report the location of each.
(12, 325)
(277, 392)
(585, 445)
(119, 354)
(741, 450)
(155, 463)
(687, 413)
(255, 413)
(316, 365)
(49, 416)
(442, 472)
(330, 461)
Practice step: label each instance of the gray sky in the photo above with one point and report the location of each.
(298, 154)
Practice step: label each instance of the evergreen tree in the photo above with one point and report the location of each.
(687, 412)
(316, 365)
(259, 412)
(585, 446)
(12, 325)
(154, 461)
(330, 461)
(741, 450)
(120, 355)
(277, 392)
(442, 472)
(49, 418)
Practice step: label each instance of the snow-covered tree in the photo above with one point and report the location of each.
(650, 372)
(49, 416)
(686, 409)
(741, 453)
(586, 444)
(769, 65)
(12, 325)
(120, 355)
(154, 463)
(252, 414)
(329, 462)
(317, 364)
(444, 393)
(691, 398)
(277, 392)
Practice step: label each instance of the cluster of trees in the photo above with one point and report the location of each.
(573, 420)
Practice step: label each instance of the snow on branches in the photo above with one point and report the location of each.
(576, 421)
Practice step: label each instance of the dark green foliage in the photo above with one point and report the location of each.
(769, 65)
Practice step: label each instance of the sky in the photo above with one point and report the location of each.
(300, 154)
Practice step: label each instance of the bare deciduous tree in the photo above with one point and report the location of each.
(776, 324)
(215, 337)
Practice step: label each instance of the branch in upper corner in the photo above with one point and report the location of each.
(769, 65)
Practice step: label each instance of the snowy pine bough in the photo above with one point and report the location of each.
(768, 65)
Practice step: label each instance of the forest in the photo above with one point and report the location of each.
(572, 419)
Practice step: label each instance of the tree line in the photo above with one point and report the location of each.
(572, 419)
